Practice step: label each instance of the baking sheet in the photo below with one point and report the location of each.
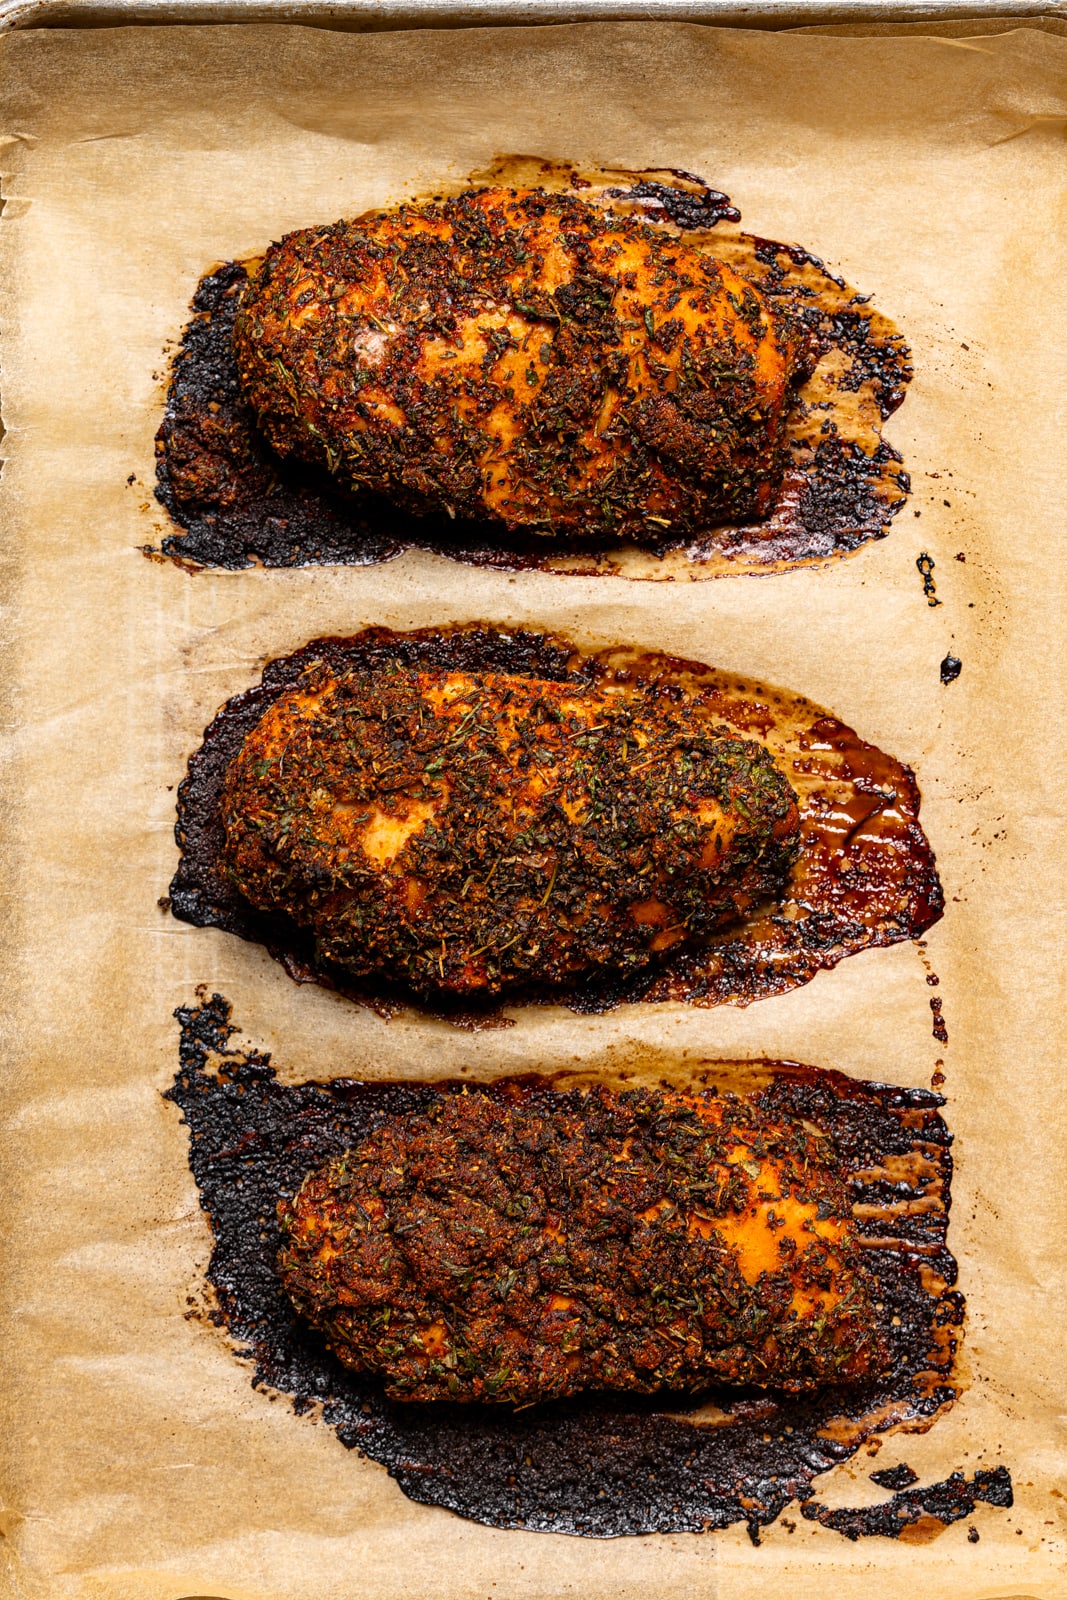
(360, 15)
(137, 1458)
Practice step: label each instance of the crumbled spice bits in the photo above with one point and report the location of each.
(520, 358)
(489, 1251)
(466, 831)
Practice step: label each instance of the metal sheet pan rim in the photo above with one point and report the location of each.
(381, 15)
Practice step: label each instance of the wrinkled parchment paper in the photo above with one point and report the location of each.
(138, 1461)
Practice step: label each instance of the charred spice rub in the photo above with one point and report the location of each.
(470, 831)
(561, 424)
(526, 1249)
(521, 358)
(602, 1464)
(575, 887)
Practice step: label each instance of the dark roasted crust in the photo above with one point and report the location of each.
(598, 1465)
(706, 442)
(525, 1250)
(865, 875)
(511, 888)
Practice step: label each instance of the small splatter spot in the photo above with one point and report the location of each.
(926, 565)
(940, 1026)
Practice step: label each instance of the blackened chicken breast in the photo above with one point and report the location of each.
(523, 359)
(524, 1250)
(462, 832)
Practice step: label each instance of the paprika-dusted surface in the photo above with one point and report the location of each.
(862, 872)
(586, 373)
(597, 1464)
(527, 1249)
(465, 832)
(521, 357)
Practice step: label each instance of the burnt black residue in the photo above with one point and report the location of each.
(871, 357)
(901, 1477)
(687, 208)
(600, 1466)
(951, 668)
(940, 1503)
(874, 884)
(926, 564)
(237, 503)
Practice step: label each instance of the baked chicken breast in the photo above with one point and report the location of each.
(526, 360)
(492, 1251)
(461, 832)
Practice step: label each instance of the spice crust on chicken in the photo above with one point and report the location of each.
(463, 832)
(520, 358)
(523, 1250)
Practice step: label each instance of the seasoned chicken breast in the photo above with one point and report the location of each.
(523, 1251)
(526, 360)
(462, 832)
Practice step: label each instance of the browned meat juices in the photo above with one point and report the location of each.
(529, 1248)
(520, 358)
(462, 832)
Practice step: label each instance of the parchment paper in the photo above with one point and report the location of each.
(138, 1461)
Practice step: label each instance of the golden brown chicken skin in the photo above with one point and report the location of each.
(525, 360)
(462, 832)
(493, 1251)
